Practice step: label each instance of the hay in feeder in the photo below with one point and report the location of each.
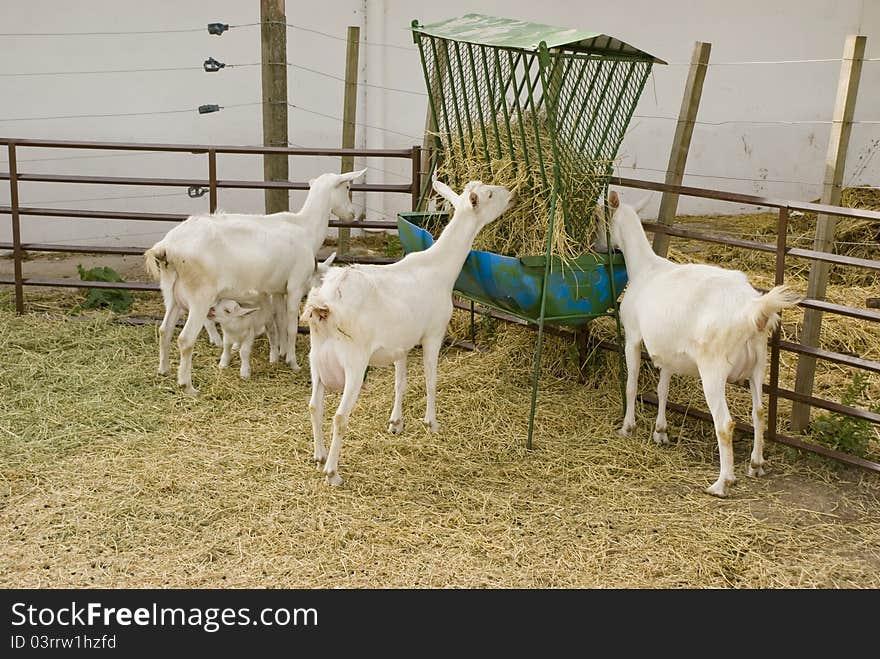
(523, 229)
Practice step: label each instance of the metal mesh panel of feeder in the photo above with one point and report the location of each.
(556, 117)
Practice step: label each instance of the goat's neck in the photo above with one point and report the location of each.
(640, 257)
(454, 244)
(314, 216)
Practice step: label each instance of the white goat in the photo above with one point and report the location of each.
(696, 320)
(202, 260)
(374, 315)
(242, 324)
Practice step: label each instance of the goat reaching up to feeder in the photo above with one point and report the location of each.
(375, 314)
(696, 320)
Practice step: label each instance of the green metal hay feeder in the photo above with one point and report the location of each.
(553, 103)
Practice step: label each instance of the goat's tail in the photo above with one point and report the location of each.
(764, 312)
(155, 260)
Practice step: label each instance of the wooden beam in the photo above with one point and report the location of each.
(835, 164)
(681, 141)
(349, 113)
(273, 31)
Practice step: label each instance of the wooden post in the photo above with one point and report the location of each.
(273, 30)
(349, 114)
(681, 141)
(835, 164)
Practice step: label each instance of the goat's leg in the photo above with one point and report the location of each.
(279, 317)
(633, 351)
(226, 355)
(354, 379)
(198, 311)
(166, 331)
(272, 336)
(714, 384)
(660, 435)
(213, 335)
(395, 424)
(316, 411)
(293, 299)
(430, 356)
(244, 353)
(759, 416)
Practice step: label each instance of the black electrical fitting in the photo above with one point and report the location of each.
(212, 65)
(205, 109)
(217, 28)
(195, 191)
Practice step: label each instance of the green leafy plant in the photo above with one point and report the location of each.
(392, 247)
(117, 299)
(846, 433)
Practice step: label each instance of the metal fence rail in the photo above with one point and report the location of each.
(213, 183)
(781, 250)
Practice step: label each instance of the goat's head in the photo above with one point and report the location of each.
(486, 202)
(321, 269)
(620, 214)
(226, 309)
(338, 186)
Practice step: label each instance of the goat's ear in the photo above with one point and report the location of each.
(643, 204)
(350, 176)
(329, 260)
(613, 199)
(244, 311)
(474, 199)
(445, 191)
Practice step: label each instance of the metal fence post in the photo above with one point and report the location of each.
(212, 180)
(17, 253)
(773, 385)
(416, 176)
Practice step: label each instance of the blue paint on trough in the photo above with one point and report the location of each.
(577, 291)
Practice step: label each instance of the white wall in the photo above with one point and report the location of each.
(748, 30)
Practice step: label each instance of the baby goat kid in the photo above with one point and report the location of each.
(242, 324)
(375, 314)
(696, 320)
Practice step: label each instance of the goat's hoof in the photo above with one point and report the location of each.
(294, 367)
(273, 359)
(625, 431)
(246, 375)
(661, 437)
(319, 461)
(334, 479)
(756, 469)
(395, 427)
(717, 489)
(223, 365)
(163, 371)
(433, 426)
(190, 390)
